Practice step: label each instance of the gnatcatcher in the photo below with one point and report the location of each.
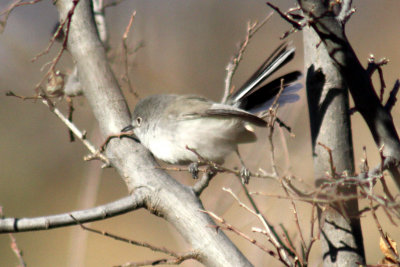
(168, 124)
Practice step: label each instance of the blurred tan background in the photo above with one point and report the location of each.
(187, 45)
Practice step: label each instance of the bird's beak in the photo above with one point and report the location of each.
(127, 128)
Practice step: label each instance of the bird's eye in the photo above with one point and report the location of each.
(139, 121)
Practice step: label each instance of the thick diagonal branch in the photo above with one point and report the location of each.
(176, 203)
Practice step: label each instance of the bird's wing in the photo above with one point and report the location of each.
(196, 107)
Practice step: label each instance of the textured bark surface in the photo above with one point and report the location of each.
(328, 100)
(331, 30)
(163, 196)
(342, 243)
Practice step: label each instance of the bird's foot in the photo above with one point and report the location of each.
(245, 175)
(194, 170)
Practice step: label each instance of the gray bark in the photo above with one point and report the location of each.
(165, 197)
(327, 91)
(331, 30)
(342, 243)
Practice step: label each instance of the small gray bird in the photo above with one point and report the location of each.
(168, 124)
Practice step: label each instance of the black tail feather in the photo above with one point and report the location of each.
(251, 94)
(275, 54)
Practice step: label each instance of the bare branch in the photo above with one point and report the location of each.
(291, 17)
(175, 261)
(132, 242)
(70, 113)
(232, 66)
(377, 65)
(295, 215)
(384, 236)
(230, 227)
(17, 251)
(392, 97)
(121, 206)
(66, 22)
(286, 17)
(283, 251)
(136, 243)
(272, 112)
(81, 135)
(96, 153)
(125, 55)
(8, 10)
(331, 163)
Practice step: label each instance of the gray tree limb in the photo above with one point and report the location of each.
(13, 225)
(328, 100)
(331, 31)
(176, 203)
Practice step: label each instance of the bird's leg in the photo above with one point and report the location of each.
(244, 172)
(194, 169)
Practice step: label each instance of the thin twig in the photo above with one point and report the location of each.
(70, 113)
(67, 21)
(178, 257)
(384, 236)
(126, 240)
(285, 149)
(292, 18)
(289, 244)
(295, 215)
(17, 251)
(6, 12)
(331, 163)
(227, 226)
(319, 198)
(377, 65)
(14, 245)
(283, 251)
(240, 203)
(312, 237)
(271, 122)
(392, 97)
(125, 54)
(218, 168)
(175, 261)
(95, 153)
(292, 22)
(81, 135)
(54, 61)
(232, 66)
(272, 148)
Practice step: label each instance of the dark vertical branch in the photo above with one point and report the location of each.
(327, 94)
(330, 30)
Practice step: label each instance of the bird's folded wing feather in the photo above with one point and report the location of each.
(196, 107)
